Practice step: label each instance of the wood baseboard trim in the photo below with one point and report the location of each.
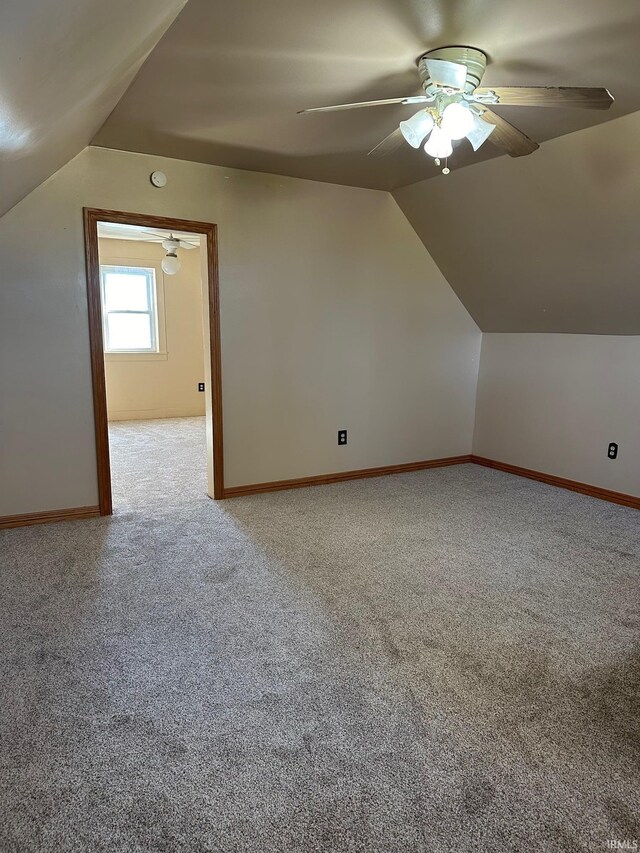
(50, 515)
(561, 482)
(340, 476)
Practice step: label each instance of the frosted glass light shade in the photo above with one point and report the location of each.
(416, 128)
(170, 264)
(438, 144)
(457, 120)
(480, 131)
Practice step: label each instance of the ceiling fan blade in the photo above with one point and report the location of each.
(410, 99)
(183, 244)
(159, 237)
(117, 228)
(506, 136)
(388, 145)
(551, 96)
(445, 73)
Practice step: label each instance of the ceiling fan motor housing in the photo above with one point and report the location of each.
(473, 59)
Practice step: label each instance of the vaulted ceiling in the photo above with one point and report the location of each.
(63, 67)
(546, 243)
(539, 243)
(225, 83)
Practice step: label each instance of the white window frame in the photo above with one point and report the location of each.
(158, 327)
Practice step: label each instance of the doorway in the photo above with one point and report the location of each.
(143, 325)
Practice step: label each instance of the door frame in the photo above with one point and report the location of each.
(91, 218)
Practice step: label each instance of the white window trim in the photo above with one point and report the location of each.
(162, 353)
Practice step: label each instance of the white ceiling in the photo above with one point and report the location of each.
(118, 231)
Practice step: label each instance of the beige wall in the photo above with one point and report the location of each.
(333, 315)
(554, 402)
(163, 386)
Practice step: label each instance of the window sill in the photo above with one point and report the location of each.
(135, 356)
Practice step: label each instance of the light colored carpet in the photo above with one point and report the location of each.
(438, 661)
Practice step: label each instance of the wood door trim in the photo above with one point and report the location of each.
(561, 482)
(340, 476)
(91, 218)
(94, 305)
(49, 515)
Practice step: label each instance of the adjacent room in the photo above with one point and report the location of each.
(319, 445)
(151, 299)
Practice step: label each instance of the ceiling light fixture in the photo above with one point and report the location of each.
(170, 263)
(454, 105)
(480, 131)
(439, 144)
(448, 120)
(417, 128)
(457, 120)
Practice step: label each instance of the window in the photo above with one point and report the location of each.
(129, 309)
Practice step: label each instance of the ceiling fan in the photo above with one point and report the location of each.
(162, 238)
(170, 263)
(454, 106)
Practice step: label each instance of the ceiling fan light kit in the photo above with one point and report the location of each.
(439, 145)
(416, 129)
(454, 107)
(457, 120)
(480, 131)
(171, 263)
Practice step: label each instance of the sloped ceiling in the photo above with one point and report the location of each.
(223, 86)
(547, 243)
(63, 68)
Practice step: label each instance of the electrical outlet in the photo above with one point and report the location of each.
(612, 452)
(200, 386)
(342, 436)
